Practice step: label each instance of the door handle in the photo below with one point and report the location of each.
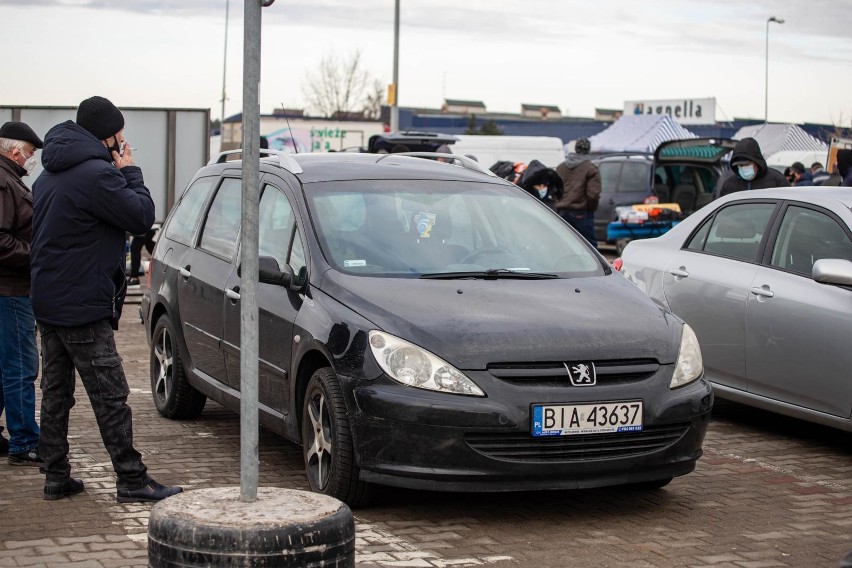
(679, 273)
(233, 295)
(184, 271)
(762, 291)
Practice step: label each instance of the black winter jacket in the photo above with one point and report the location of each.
(83, 206)
(766, 177)
(16, 230)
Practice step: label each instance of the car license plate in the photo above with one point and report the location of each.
(593, 418)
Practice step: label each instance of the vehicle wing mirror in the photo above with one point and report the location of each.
(833, 271)
(271, 273)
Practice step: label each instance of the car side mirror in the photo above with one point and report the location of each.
(833, 271)
(271, 273)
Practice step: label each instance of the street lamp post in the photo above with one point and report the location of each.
(766, 89)
(394, 122)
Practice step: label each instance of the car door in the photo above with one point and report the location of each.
(707, 283)
(202, 277)
(278, 238)
(798, 329)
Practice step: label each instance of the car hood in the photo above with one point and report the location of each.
(473, 323)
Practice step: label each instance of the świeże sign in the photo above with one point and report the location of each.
(684, 111)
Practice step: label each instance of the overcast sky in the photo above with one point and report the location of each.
(577, 55)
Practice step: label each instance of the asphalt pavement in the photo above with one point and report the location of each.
(768, 492)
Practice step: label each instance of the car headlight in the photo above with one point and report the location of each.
(689, 364)
(416, 367)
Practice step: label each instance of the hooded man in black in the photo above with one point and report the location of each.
(90, 194)
(749, 171)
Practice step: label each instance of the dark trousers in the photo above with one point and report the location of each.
(136, 244)
(583, 221)
(90, 349)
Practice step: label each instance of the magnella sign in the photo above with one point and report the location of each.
(684, 111)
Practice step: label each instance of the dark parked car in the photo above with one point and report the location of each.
(679, 171)
(417, 330)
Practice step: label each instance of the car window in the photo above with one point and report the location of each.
(275, 225)
(806, 236)
(412, 228)
(609, 175)
(222, 225)
(634, 177)
(734, 231)
(188, 210)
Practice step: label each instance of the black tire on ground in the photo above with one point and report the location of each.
(283, 527)
(327, 442)
(174, 397)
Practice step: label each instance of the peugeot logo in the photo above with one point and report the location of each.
(581, 374)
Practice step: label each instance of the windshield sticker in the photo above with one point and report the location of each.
(351, 263)
(424, 223)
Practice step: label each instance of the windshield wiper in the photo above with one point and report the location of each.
(490, 274)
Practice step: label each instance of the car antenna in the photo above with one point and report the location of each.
(295, 145)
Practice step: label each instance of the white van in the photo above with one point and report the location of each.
(491, 149)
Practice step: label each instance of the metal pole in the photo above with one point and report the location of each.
(249, 329)
(766, 88)
(395, 106)
(224, 76)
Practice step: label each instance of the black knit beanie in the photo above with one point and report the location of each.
(100, 117)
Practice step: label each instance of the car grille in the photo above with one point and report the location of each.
(608, 372)
(526, 448)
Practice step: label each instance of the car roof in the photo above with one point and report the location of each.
(340, 166)
(813, 194)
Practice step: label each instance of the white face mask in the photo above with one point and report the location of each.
(30, 165)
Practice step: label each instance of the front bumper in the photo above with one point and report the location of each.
(412, 438)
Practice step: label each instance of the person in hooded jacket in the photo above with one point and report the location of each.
(543, 183)
(18, 350)
(803, 176)
(748, 171)
(581, 180)
(844, 167)
(88, 197)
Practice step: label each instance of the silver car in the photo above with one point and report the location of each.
(765, 279)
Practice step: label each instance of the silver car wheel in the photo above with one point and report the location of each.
(320, 452)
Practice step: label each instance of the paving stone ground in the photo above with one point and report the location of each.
(768, 492)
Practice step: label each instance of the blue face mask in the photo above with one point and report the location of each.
(542, 193)
(746, 172)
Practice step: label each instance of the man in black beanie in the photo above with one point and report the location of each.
(88, 197)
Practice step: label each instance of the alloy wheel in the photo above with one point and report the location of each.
(320, 451)
(163, 365)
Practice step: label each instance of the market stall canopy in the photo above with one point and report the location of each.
(774, 138)
(638, 133)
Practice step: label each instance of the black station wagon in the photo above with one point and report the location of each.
(423, 324)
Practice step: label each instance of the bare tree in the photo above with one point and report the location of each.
(373, 101)
(338, 85)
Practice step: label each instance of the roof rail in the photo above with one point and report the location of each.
(285, 159)
(464, 161)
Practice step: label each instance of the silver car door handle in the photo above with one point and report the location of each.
(762, 291)
(679, 272)
(185, 272)
(231, 294)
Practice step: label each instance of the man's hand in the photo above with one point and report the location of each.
(123, 160)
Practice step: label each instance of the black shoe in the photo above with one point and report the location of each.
(54, 491)
(30, 457)
(133, 282)
(151, 491)
(4, 446)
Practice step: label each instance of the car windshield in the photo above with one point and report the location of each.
(444, 228)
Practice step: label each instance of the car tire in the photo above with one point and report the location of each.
(327, 445)
(173, 396)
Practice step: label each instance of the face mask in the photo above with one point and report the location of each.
(746, 172)
(30, 165)
(542, 193)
